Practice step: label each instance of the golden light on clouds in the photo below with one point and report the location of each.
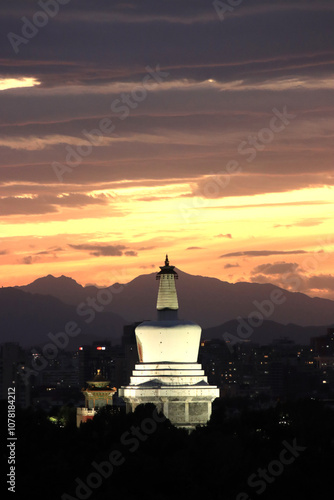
(15, 83)
(190, 229)
(221, 160)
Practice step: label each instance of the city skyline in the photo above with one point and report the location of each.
(133, 130)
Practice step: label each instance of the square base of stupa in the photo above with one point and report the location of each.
(179, 390)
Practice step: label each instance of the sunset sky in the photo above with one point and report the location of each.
(132, 129)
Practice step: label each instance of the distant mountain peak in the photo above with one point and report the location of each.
(208, 301)
(62, 287)
(50, 278)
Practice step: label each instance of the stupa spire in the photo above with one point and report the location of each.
(167, 303)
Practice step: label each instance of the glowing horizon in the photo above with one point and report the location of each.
(153, 140)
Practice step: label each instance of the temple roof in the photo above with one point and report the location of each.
(99, 382)
(99, 377)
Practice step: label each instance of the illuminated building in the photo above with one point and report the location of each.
(324, 357)
(168, 374)
(98, 393)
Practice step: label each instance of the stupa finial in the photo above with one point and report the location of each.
(166, 261)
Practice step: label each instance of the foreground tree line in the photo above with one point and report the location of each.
(283, 452)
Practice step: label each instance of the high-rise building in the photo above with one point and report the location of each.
(168, 374)
(60, 372)
(101, 355)
(13, 359)
(324, 357)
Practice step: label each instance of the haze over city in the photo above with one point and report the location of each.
(129, 130)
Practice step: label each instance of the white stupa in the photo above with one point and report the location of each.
(168, 374)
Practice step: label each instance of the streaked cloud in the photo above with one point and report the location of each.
(104, 250)
(230, 266)
(276, 268)
(314, 285)
(14, 83)
(228, 235)
(302, 223)
(28, 260)
(99, 250)
(47, 204)
(321, 282)
(262, 253)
